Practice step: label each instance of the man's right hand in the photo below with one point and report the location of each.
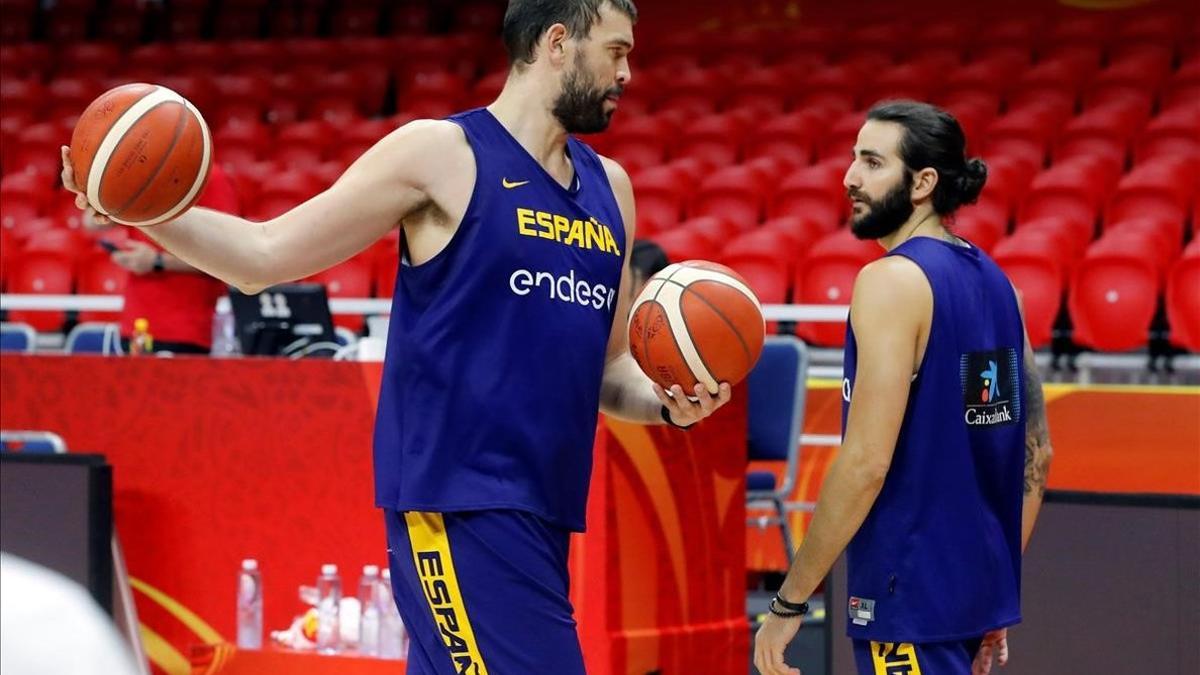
(92, 219)
(993, 647)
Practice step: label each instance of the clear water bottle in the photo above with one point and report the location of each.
(329, 600)
(224, 334)
(368, 598)
(249, 606)
(393, 639)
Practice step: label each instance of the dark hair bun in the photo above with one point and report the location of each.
(970, 182)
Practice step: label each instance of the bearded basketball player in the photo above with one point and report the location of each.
(507, 334)
(945, 450)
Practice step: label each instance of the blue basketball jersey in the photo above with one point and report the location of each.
(491, 380)
(939, 556)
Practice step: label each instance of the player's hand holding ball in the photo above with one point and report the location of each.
(140, 155)
(696, 330)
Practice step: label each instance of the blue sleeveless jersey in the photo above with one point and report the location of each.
(496, 347)
(939, 556)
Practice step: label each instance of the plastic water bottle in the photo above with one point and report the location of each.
(224, 334)
(249, 606)
(393, 639)
(329, 599)
(368, 597)
(141, 342)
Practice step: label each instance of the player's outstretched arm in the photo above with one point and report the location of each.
(390, 181)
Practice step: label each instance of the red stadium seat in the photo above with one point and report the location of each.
(1165, 234)
(97, 274)
(715, 229)
(714, 139)
(206, 55)
(1175, 131)
(682, 244)
(787, 137)
(23, 196)
(302, 144)
(38, 149)
(359, 137)
(815, 192)
(1162, 188)
(281, 192)
(1183, 86)
(764, 90)
(914, 81)
(1031, 260)
(837, 86)
(639, 141)
(1007, 183)
(660, 198)
(356, 20)
(31, 228)
(1073, 190)
(242, 143)
(838, 141)
(767, 274)
(1183, 299)
(40, 273)
(802, 231)
(983, 224)
(827, 278)
(241, 97)
(348, 279)
(1114, 293)
(432, 92)
(1105, 130)
(735, 193)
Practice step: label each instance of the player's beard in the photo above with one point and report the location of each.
(580, 106)
(883, 216)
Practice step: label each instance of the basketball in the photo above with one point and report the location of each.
(141, 154)
(696, 322)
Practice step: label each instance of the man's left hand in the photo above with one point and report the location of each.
(686, 412)
(775, 634)
(137, 257)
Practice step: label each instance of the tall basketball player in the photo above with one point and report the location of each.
(942, 415)
(507, 334)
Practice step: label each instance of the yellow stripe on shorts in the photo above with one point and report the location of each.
(895, 658)
(435, 566)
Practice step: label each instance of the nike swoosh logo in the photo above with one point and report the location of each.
(512, 184)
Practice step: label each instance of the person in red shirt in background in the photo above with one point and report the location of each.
(176, 299)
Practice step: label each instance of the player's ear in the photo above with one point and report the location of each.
(924, 183)
(555, 43)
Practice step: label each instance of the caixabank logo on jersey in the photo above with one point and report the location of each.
(991, 388)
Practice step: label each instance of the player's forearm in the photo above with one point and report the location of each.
(846, 498)
(626, 393)
(1038, 451)
(229, 248)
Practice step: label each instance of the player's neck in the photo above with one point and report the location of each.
(924, 222)
(524, 110)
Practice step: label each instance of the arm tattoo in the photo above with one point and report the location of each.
(1037, 434)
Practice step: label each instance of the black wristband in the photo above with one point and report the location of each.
(159, 262)
(798, 607)
(666, 415)
(784, 613)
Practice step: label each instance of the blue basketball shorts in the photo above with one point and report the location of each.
(483, 592)
(924, 658)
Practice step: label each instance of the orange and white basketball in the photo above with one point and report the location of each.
(696, 322)
(141, 153)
